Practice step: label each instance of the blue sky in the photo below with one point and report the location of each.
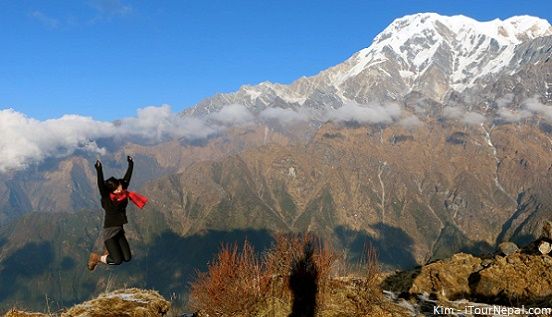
(106, 58)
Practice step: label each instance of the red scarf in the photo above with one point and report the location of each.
(136, 198)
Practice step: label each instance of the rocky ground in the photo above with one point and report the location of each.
(511, 278)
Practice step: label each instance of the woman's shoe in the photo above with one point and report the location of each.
(93, 260)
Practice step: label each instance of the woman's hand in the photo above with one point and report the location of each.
(98, 164)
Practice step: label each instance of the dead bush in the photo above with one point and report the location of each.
(287, 250)
(362, 292)
(234, 284)
(238, 284)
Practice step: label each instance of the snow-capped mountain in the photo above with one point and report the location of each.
(464, 48)
(437, 56)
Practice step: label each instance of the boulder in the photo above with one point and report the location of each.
(507, 248)
(521, 278)
(545, 247)
(447, 278)
(124, 302)
(517, 278)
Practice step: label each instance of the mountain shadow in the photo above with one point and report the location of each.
(393, 245)
(171, 261)
(56, 265)
(452, 240)
(30, 261)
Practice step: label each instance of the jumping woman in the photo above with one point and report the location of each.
(114, 201)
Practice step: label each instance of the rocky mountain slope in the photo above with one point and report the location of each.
(437, 190)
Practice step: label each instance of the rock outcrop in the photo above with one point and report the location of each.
(507, 248)
(447, 278)
(517, 278)
(123, 302)
(521, 278)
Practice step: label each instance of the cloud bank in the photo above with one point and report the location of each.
(25, 141)
(160, 123)
(284, 116)
(527, 108)
(372, 113)
(461, 114)
(232, 115)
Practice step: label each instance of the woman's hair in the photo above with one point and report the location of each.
(112, 183)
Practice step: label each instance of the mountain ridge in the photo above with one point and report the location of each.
(390, 56)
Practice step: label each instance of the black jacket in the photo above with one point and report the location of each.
(115, 214)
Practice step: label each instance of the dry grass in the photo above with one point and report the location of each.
(131, 302)
(360, 293)
(237, 284)
(18, 313)
(289, 248)
(234, 284)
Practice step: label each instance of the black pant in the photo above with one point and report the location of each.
(118, 249)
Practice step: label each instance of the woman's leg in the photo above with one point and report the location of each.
(125, 248)
(115, 256)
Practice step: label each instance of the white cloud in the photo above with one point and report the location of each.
(513, 115)
(453, 112)
(473, 118)
(410, 122)
(232, 115)
(24, 140)
(461, 114)
(284, 116)
(505, 100)
(528, 107)
(535, 106)
(159, 123)
(365, 113)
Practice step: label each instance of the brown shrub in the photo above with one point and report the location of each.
(364, 292)
(360, 293)
(237, 284)
(234, 284)
(287, 249)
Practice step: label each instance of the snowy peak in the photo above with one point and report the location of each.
(510, 31)
(463, 49)
(528, 27)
